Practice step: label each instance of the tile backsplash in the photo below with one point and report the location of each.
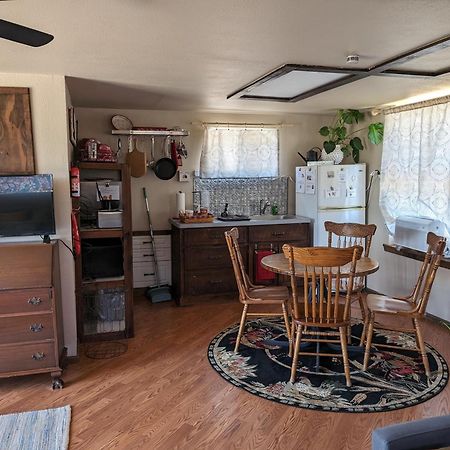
(243, 195)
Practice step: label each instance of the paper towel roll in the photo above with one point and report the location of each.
(181, 202)
(204, 199)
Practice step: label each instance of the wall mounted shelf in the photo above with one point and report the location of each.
(150, 132)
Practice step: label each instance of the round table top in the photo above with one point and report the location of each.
(280, 264)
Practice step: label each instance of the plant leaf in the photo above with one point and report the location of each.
(375, 133)
(329, 146)
(350, 116)
(346, 150)
(324, 131)
(341, 133)
(355, 154)
(356, 144)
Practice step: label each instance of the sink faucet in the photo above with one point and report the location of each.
(263, 205)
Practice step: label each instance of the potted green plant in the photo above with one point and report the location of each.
(339, 134)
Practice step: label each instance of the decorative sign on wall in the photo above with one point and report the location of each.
(16, 135)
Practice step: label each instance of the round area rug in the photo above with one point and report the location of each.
(395, 378)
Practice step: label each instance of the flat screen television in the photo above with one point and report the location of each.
(26, 206)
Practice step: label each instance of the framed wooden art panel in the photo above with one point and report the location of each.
(16, 134)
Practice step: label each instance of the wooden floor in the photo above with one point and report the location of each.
(163, 394)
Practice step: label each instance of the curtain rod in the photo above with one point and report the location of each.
(244, 124)
(418, 105)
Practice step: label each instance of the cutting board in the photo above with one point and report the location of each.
(136, 160)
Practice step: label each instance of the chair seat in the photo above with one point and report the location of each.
(268, 295)
(384, 304)
(339, 321)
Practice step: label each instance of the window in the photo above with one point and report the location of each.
(415, 168)
(238, 152)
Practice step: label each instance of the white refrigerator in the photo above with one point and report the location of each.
(330, 192)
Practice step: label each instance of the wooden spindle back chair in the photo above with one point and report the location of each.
(320, 315)
(251, 294)
(342, 235)
(412, 306)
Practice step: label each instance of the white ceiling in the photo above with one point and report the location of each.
(190, 54)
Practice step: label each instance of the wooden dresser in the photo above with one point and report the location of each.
(31, 330)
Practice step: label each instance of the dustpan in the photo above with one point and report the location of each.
(159, 293)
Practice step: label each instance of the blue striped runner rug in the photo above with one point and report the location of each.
(36, 430)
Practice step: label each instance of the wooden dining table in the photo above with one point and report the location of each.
(278, 263)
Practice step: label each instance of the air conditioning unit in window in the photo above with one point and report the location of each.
(411, 232)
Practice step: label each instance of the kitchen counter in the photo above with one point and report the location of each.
(201, 261)
(242, 223)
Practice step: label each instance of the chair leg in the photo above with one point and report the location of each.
(286, 321)
(291, 340)
(241, 328)
(362, 306)
(298, 337)
(342, 332)
(370, 319)
(422, 348)
(364, 331)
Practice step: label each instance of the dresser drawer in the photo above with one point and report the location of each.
(210, 282)
(25, 301)
(211, 236)
(207, 257)
(18, 357)
(144, 274)
(34, 327)
(280, 233)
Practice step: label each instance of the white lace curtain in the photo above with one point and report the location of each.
(415, 167)
(233, 152)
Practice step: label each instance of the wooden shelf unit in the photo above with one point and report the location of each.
(100, 300)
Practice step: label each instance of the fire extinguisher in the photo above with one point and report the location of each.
(74, 181)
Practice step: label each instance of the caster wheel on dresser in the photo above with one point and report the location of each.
(57, 383)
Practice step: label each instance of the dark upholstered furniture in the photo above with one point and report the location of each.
(432, 433)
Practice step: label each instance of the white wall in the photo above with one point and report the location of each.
(397, 274)
(301, 136)
(49, 120)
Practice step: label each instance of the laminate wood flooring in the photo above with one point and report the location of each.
(163, 394)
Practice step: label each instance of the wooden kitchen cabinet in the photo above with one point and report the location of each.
(201, 262)
(273, 237)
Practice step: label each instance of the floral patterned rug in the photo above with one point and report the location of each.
(395, 378)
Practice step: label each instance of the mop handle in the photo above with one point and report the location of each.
(152, 239)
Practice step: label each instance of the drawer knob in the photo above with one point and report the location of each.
(149, 274)
(36, 327)
(214, 258)
(38, 356)
(34, 301)
(278, 233)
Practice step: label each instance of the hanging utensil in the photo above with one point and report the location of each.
(165, 168)
(181, 149)
(136, 160)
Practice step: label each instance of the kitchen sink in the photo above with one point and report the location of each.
(271, 217)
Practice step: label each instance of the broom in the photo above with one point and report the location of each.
(159, 293)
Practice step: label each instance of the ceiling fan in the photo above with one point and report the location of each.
(22, 34)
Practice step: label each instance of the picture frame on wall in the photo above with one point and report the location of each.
(73, 127)
(16, 133)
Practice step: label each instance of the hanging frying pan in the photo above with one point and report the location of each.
(165, 168)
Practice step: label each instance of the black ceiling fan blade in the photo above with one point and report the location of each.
(24, 35)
